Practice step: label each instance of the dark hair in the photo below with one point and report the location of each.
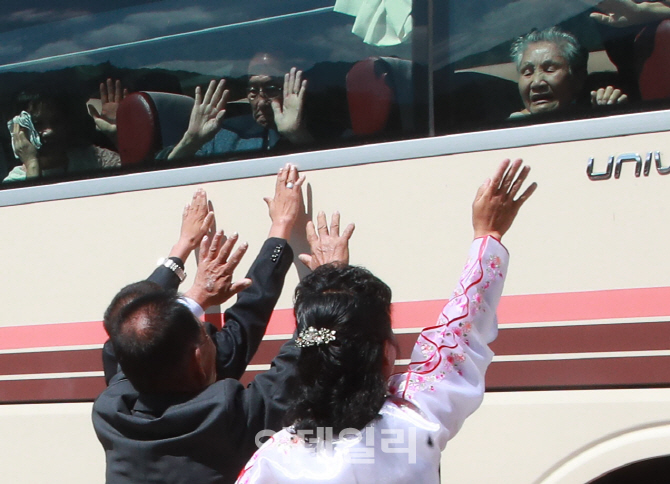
(32, 99)
(576, 54)
(69, 105)
(341, 383)
(151, 337)
(123, 297)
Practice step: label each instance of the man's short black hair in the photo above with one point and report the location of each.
(123, 298)
(152, 336)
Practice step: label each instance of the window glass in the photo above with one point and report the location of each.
(53, 60)
(574, 59)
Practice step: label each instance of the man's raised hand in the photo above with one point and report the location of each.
(287, 204)
(495, 208)
(111, 95)
(205, 121)
(214, 280)
(196, 221)
(288, 114)
(327, 246)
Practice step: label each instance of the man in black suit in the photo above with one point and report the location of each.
(197, 221)
(167, 416)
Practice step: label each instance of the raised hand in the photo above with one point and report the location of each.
(111, 95)
(214, 280)
(495, 208)
(327, 246)
(622, 13)
(607, 96)
(26, 151)
(205, 121)
(196, 221)
(288, 114)
(287, 205)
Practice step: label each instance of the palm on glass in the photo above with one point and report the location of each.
(111, 95)
(288, 114)
(326, 245)
(197, 221)
(207, 112)
(287, 204)
(205, 120)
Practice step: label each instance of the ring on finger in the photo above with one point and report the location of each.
(289, 185)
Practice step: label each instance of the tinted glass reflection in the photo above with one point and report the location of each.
(97, 61)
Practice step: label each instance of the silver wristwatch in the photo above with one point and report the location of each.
(174, 267)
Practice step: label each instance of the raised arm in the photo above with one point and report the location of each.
(205, 121)
(26, 152)
(265, 402)
(111, 95)
(287, 204)
(445, 378)
(197, 220)
(326, 245)
(288, 114)
(269, 396)
(247, 320)
(622, 13)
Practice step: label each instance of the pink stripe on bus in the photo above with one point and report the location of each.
(49, 335)
(575, 306)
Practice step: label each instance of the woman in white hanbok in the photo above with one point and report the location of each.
(354, 422)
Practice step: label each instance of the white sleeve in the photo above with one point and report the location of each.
(445, 378)
(193, 306)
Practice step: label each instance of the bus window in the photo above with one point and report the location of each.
(503, 63)
(147, 58)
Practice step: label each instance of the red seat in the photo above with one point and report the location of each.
(150, 121)
(654, 77)
(369, 97)
(380, 96)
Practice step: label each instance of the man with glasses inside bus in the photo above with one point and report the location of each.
(276, 98)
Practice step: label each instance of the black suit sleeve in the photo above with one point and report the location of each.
(262, 405)
(162, 276)
(166, 278)
(109, 364)
(246, 321)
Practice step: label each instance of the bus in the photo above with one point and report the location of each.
(409, 107)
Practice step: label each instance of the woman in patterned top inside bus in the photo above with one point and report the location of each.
(353, 418)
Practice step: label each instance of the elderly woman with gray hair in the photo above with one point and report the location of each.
(552, 67)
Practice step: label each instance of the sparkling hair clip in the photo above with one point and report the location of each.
(314, 337)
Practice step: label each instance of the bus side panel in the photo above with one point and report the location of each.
(577, 246)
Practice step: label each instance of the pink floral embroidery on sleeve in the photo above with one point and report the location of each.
(439, 345)
(493, 268)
